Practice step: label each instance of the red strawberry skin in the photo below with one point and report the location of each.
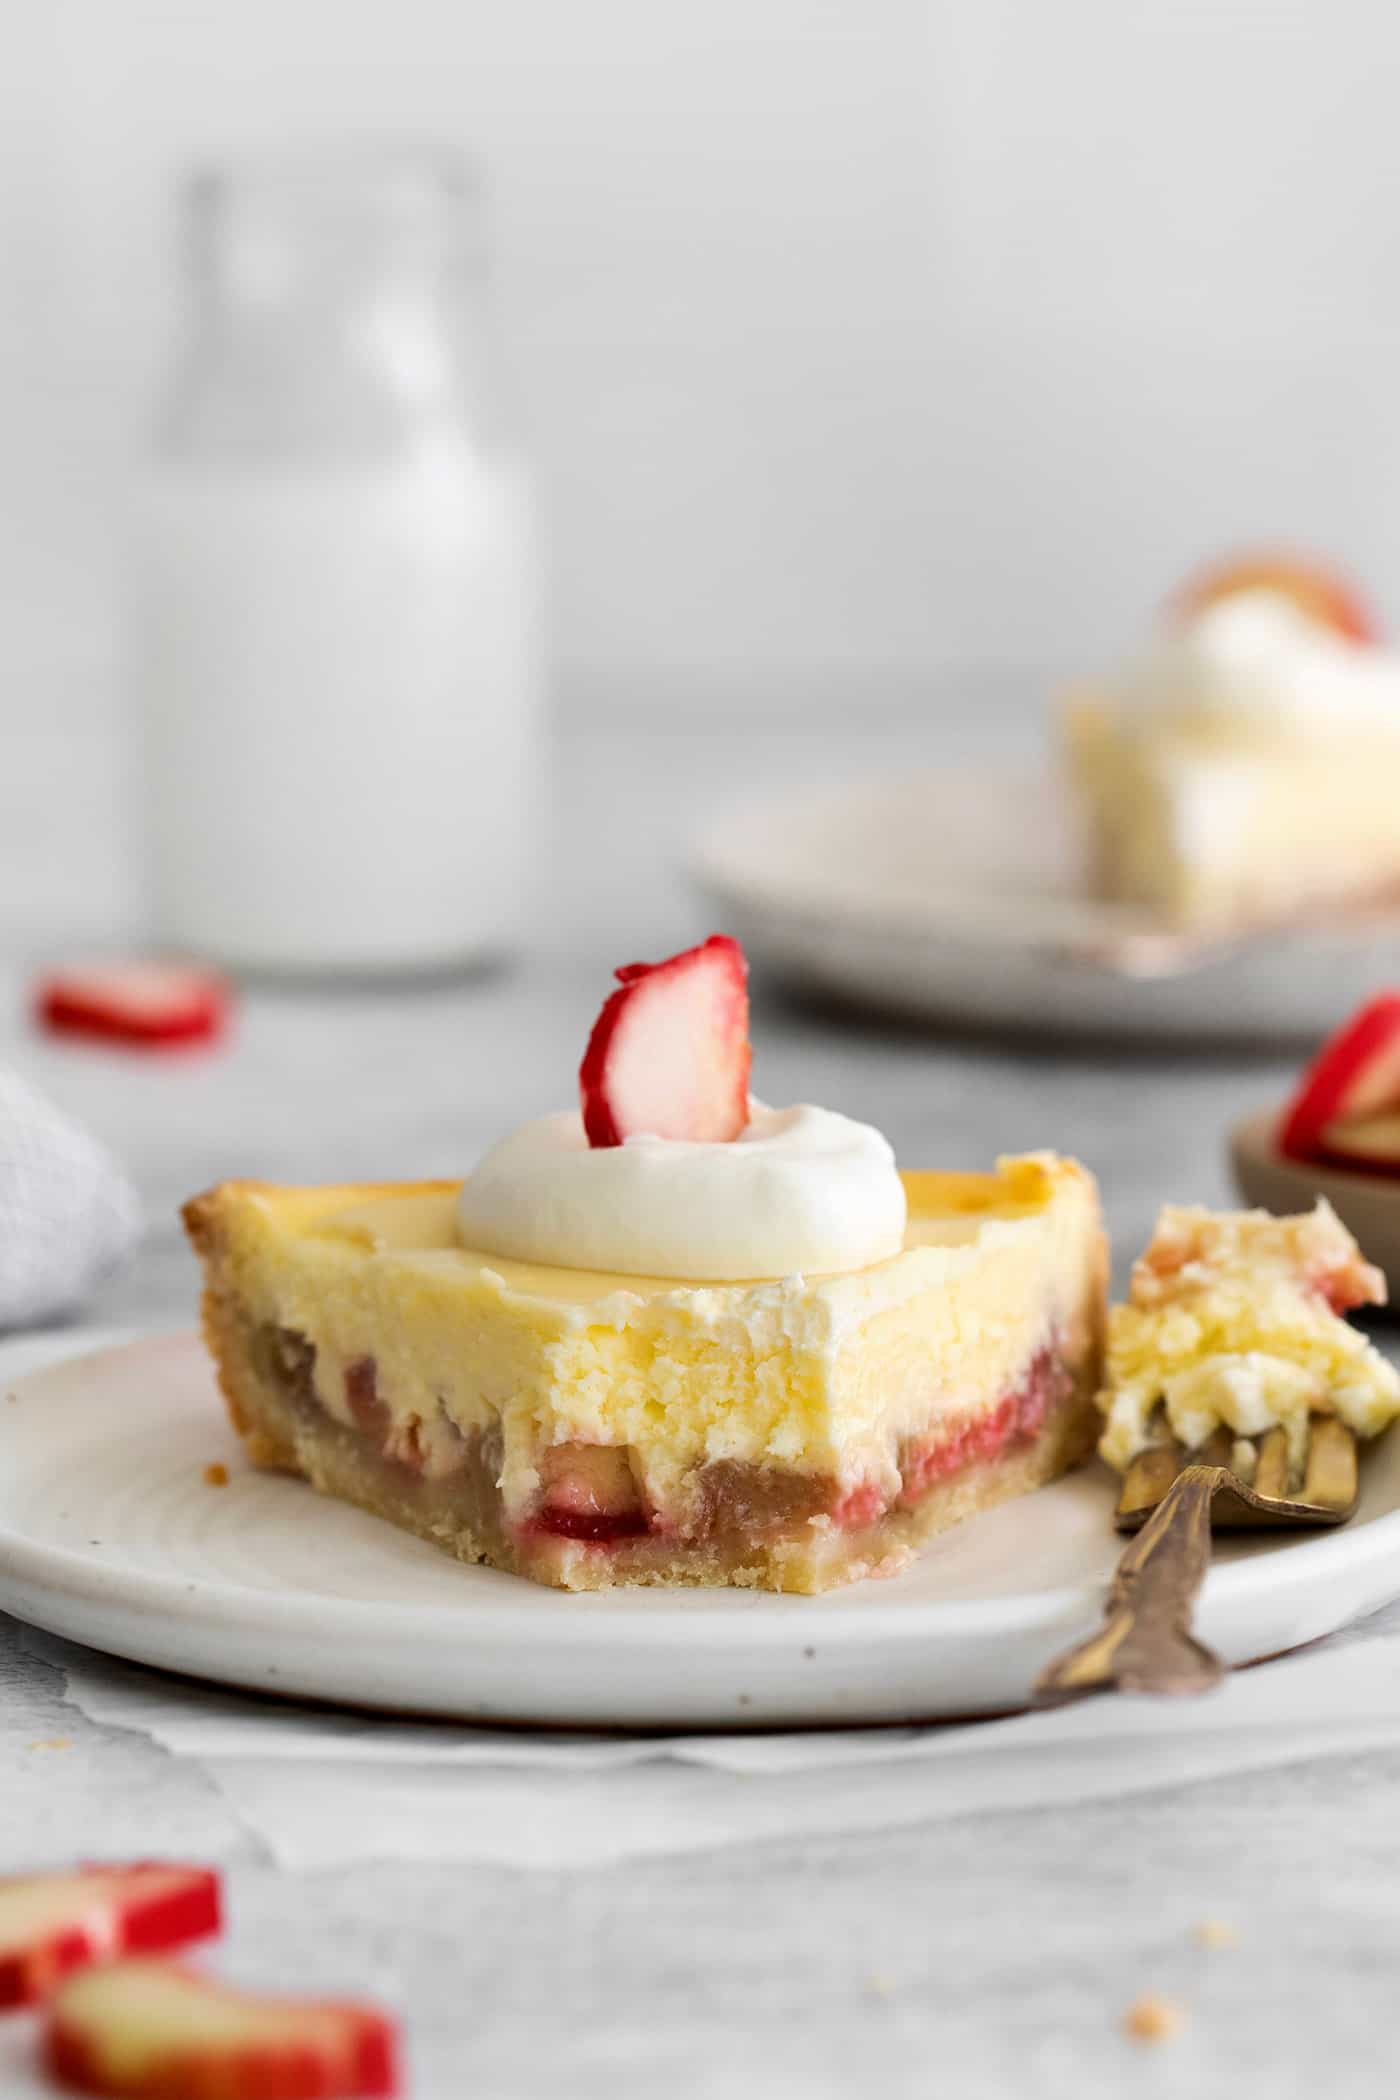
(1355, 1074)
(357, 2059)
(1315, 589)
(669, 1055)
(149, 1005)
(145, 1909)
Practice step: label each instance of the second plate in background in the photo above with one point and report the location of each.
(957, 895)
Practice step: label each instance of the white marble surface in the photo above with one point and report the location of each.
(992, 1957)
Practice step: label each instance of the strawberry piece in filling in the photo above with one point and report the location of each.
(1017, 1419)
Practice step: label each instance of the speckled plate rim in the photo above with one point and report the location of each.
(644, 1658)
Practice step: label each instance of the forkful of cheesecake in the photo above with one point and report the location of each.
(1235, 1393)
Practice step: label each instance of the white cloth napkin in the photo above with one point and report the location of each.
(323, 1789)
(68, 1212)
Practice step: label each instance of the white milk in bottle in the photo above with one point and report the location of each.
(333, 621)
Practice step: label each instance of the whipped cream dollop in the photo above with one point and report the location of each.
(1255, 657)
(800, 1190)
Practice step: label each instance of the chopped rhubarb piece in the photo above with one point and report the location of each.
(589, 1491)
(368, 1409)
(406, 1444)
(51, 1923)
(669, 1054)
(150, 1004)
(1316, 590)
(154, 2031)
(1354, 1077)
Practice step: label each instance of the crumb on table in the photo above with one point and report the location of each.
(53, 1742)
(1152, 2018)
(1214, 1932)
(216, 1475)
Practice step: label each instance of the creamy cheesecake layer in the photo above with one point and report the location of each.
(600, 1407)
(1234, 1320)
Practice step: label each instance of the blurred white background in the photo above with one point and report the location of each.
(860, 347)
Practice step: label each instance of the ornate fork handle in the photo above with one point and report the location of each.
(1145, 1643)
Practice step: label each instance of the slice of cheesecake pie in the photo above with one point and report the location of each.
(1244, 768)
(755, 1355)
(587, 1428)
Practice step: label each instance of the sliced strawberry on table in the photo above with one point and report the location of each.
(51, 1923)
(669, 1054)
(152, 1004)
(1354, 1077)
(156, 2031)
(1316, 590)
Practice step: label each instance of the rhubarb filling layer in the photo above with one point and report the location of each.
(591, 1522)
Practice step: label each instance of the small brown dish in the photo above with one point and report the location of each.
(1367, 1204)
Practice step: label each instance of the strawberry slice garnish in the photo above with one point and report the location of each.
(1316, 590)
(669, 1054)
(154, 2031)
(51, 1923)
(154, 1004)
(1353, 1079)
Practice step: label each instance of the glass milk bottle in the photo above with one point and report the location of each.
(332, 643)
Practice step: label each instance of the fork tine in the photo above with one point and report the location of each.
(1217, 1450)
(1148, 1478)
(1271, 1469)
(1267, 1497)
(1331, 1471)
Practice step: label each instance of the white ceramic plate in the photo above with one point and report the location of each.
(959, 895)
(109, 1535)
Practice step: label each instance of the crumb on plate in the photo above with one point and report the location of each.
(216, 1475)
(1214, 1932)
(1153, 2018)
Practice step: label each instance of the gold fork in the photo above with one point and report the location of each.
(1172, 1499)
